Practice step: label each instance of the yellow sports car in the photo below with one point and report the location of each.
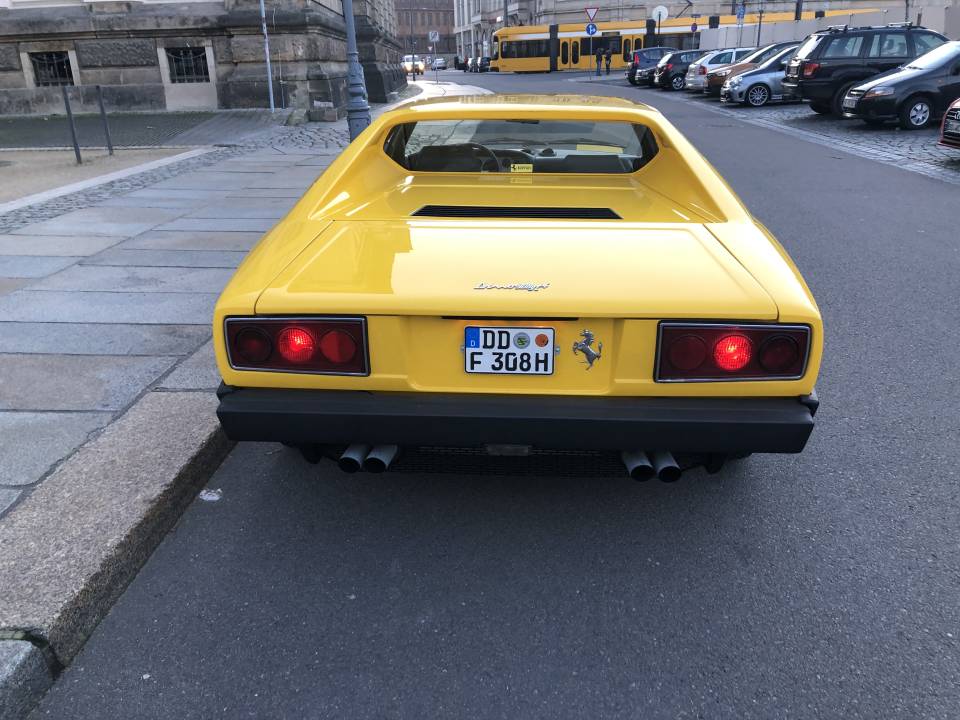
(520, 276)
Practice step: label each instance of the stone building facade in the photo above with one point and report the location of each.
(149, 55)
(416, 18)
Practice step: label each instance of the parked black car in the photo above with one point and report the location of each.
(830, 62)
(482, 65)
(671, 72)
(457, 62)
(915, 94)
(645, 59)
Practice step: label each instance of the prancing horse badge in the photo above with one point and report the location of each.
(585, 346)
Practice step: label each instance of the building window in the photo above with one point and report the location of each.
(188, 65)
(51, 68)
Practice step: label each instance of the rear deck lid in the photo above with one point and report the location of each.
(504, 268)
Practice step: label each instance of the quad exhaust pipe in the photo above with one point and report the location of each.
(380, 458)
(373, 459)
(660, 463)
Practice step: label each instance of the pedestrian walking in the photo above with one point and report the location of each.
(599, 55)
(607, 57)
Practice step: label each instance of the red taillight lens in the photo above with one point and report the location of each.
(668, 66)
(715, 351)
(335, 346)
(687, 352)
(702, 70)
(296, 345)
(779, 352)
(732, 352)
(810, 69)
(338, 347)
(253, 345)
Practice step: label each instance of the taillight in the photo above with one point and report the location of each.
(330, 346)
(702, 70)
(668, 66)
(810, 69)
(708, 351)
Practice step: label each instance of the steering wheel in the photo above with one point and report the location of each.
(484, 149)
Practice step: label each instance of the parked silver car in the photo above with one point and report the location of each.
(697, 72)
(760, 85)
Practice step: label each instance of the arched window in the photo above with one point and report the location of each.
(626, 49)
(564, 53)
(576, 52)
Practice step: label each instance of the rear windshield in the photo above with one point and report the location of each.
(807, 47)
(937, 57)
(521, 146)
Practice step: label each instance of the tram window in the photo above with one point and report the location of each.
(525, 48)
(564, 53)
(626, 49)
(575, 52)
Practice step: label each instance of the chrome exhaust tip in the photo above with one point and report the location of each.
(638, 464)
(352, 459)
(380, 458)
(665, 466)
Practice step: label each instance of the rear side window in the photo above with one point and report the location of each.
(925, 42)
(844, 46)
(525, 145)
(723, 58)
(888, 45)
(741, 53)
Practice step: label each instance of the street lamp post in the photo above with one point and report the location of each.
(266, 52)
(358, 111)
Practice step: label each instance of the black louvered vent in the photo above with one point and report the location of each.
(543, 213)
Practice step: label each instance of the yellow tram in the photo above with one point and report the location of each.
(544, 48)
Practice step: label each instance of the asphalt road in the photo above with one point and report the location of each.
(824, 585)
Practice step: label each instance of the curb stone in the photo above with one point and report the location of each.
(24, 678)
(71, 548)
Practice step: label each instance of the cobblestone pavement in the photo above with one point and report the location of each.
(915, 150)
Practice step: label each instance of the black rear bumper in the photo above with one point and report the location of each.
(699, 425)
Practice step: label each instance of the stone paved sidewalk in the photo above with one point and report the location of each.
(109, 292)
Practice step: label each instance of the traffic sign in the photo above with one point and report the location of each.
(591, 13)
(591, 29)
(660, 13)
(434, 36)
(693, 26)
(741, 11)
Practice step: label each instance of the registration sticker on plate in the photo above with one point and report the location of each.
(508, 350)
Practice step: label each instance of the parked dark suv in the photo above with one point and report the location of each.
(645, 59)
(671, 72)
(832, 61)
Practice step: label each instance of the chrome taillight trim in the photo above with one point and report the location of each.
(295, 318)
(731, 325)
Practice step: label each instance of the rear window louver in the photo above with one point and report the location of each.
(540, 213)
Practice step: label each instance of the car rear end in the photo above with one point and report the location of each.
(805, 77)
(413, 300)
(697, 72)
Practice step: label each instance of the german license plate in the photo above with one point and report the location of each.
(508, 350)
(849, 102)
(952, 126)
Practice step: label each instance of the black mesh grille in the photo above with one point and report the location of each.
(543, 213)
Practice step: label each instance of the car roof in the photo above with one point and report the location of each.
(479, 102)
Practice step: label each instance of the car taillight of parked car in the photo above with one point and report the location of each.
(702, 70)
(328, 346)
(690, 352)
(810, 69)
